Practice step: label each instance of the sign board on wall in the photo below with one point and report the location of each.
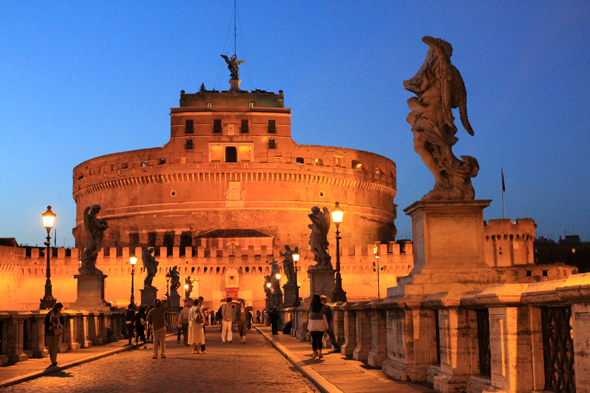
(231, 292)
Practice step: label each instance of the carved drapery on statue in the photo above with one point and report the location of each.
(174, 280)
(288, 265)
(440, 88)
(318, 240)
(187, 292)
(94, 228)
(151, 267)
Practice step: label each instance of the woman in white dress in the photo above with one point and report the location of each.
(196, 319)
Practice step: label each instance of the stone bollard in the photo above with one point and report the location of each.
(349, 330)
(378, 352)
(38, 334)
(15, 336)
(363, 332)
(338, 315)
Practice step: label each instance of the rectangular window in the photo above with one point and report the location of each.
(189, 144)
(244, 129)
(217, 126)
(272, 129)
(272, 144)
(188, 129)
(244, 153)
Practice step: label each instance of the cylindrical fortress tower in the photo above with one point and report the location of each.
(231, 172)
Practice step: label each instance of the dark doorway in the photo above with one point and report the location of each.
(231, 154)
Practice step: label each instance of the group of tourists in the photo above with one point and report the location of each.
(231, 316)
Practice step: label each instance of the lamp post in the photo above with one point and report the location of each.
(338, 295)
(296, 269)
(132, 261)
(376, 268)
(48, 300)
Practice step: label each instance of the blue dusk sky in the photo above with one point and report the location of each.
(80, 79)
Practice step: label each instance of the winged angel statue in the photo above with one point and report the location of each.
(94, 228)
(232, 65)
(318, 240)
(439, 89)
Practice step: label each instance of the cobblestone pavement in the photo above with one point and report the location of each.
(254, 367)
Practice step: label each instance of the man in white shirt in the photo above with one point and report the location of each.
(226, 322)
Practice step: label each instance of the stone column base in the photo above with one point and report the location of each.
(289, 295)
(321, 282)
(148, 296)
(90, 293)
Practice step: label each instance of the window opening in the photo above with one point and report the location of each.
(217, 126)
(231, 154)
(244, 129)
(188, 127)
(272, 127)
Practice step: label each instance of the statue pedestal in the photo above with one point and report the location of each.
(175, 299)
(234, 85)
(448, 248)
(290, 294)
(90, 292)
(148, 296)
(321, 282)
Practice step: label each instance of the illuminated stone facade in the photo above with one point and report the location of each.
(231, 165)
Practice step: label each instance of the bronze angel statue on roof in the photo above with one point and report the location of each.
(439, 89)
(232, 65)
(318, 240)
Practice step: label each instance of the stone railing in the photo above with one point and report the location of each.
(22, 333)
(507, 337)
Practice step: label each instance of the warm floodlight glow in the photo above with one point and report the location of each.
(48, 218)
(133, 260)
(296, 257)
(268, 285)
(337, 214)
(278, 276)
(185, 286)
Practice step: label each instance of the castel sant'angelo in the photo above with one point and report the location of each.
(221, 200)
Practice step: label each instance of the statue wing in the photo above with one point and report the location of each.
(327, 221)
(241, 61)
(446, 82)
(87, 222)
(226, 58)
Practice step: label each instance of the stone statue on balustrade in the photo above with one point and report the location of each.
(174, 280)
(318, 240)
(439, 88)
(288, 265)
(94, 228)
(151, 267)
(189, 288)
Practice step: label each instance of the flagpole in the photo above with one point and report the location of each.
(503, 189)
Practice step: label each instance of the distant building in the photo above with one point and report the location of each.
(568, 251)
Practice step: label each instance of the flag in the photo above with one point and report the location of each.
(503, 186)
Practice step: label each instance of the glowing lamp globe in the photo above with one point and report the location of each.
(48, 218)
(337, 214)
(133, 260)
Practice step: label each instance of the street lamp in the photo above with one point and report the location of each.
(296, 268)
(132, 261)
(338, 295)
(376, 268)
(48, 300)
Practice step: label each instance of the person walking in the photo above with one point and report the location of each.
(140, 322)
(258, 315)
(196, 337)
(317, 324)
(244, 321)
(54, 322)
(183, 323)
(273, 315)
(129, 319)
(330, 319)
(205, 322)
(226, 321)
(157, 319)
(148, 325)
